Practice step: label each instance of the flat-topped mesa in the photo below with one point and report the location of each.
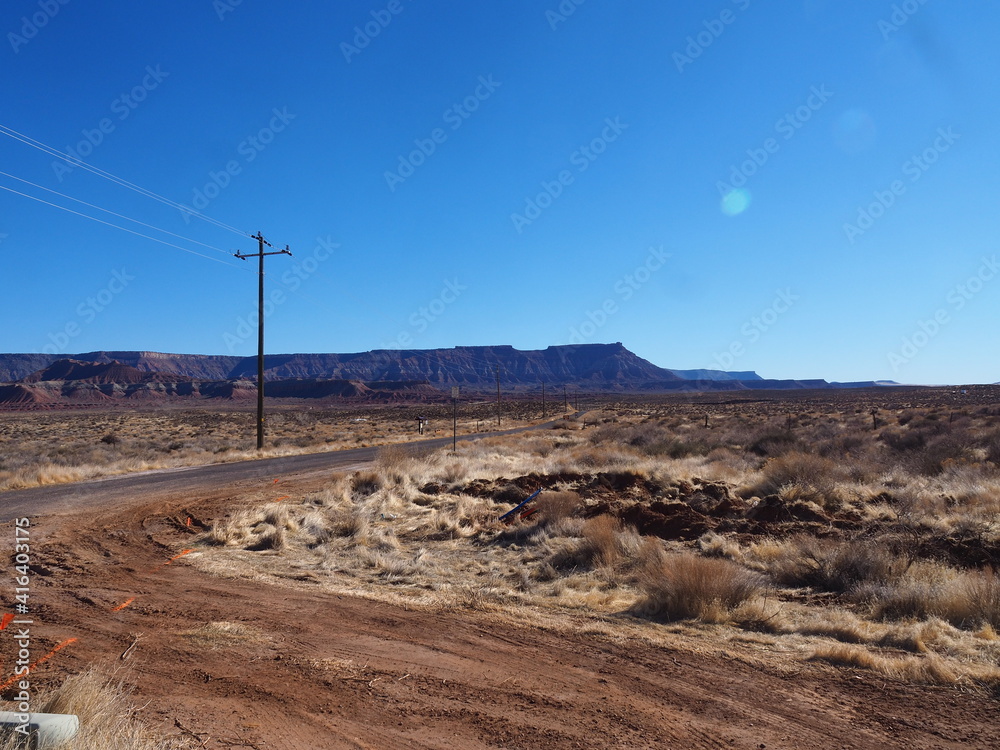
(588, 367)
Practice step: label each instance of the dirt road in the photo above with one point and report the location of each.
(80, 496)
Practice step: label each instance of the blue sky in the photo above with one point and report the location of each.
(799, 188)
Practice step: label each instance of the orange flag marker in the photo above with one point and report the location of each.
(6, 620)
(171, 560)
(123, 604)
(176, 556)
(44, 659)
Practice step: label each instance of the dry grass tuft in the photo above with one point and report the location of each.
(832, 565)
(108, 718)
(929, 669)
(804, 469)
(687, 586)
(554, 506)
(214, 635)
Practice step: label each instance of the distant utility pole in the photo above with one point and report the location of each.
(543, 399)
(454, 418)
(260, 254)
(565, 400)
(498, 397)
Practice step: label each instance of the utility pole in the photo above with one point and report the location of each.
(565, 400)
(543, 399)
(454, 418)
(498, 397)
(260, 254)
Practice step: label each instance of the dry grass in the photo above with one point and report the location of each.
(687, 586)
(967, 599)
(929, 669)
(424, 531)
(214, 635)
(44, 448)
(837, 566)
(108, 717)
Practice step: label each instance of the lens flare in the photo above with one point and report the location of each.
(736, 202)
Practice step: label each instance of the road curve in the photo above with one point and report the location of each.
(78, 496)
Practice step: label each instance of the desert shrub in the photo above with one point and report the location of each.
(365, 483)
(712, 544)
(110, 439)
(554, 506)
(990, 443)
(836, 566)
(903, 441)
(687, 586)
(938, 454)
(981, 589)
(842, 446)
(600, 536)
(772, 443)
(270, 538)
(600, 542)
(803, 469)
(511, 493)
(391, 462)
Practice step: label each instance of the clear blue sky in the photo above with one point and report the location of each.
(833, 254)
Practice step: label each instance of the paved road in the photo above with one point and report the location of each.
(99, 492)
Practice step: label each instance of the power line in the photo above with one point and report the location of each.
(124, 229)
(108, 211)
(27, 140)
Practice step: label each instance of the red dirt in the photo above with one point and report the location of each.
(399, 678)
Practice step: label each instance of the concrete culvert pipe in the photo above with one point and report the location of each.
(38, 731)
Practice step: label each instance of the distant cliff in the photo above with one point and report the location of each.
(589, 367)
(596, 365)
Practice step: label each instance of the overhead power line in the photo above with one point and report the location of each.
(27, 140)
(113, 213)
(124, 229)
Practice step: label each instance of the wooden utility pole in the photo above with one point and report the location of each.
(498, 397)
(454, 418)
(260, 254)
(543, 399)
